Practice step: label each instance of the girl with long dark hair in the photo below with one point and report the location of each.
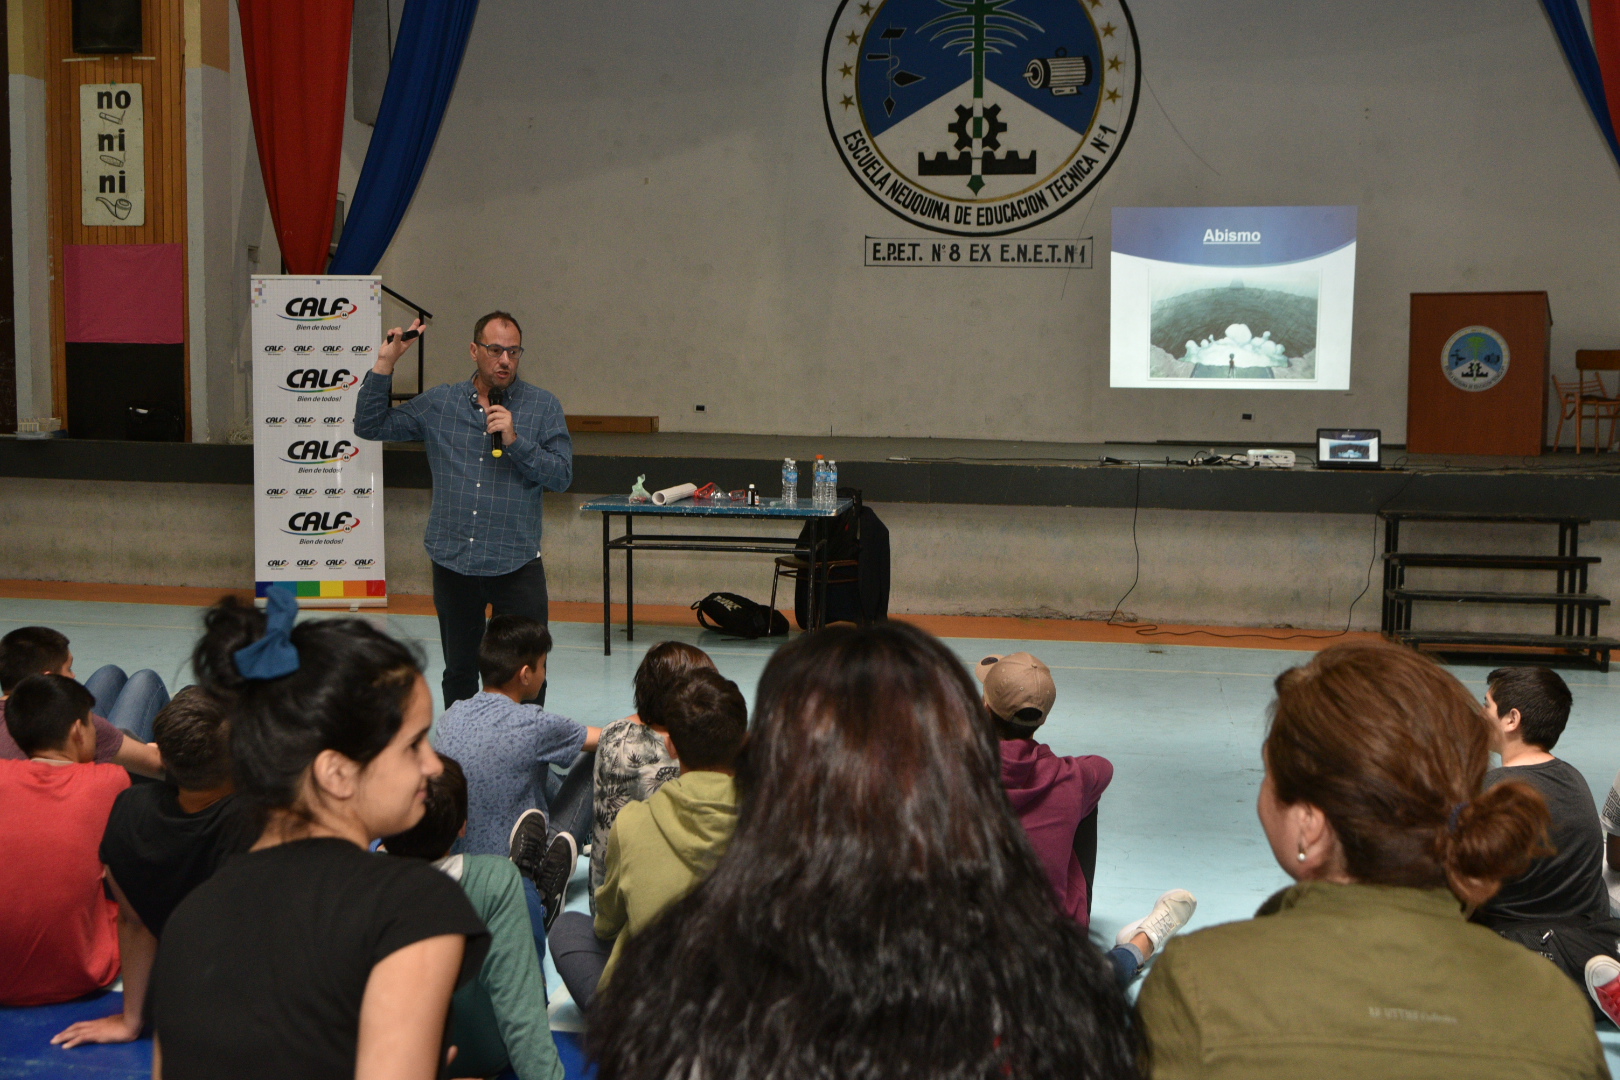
(879, 913)
(309, 956)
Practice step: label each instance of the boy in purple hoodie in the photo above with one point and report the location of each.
(1051, 795)
(1054, 796)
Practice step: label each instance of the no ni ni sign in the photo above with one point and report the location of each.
(112, 154)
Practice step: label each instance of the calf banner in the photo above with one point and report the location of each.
(318, 490)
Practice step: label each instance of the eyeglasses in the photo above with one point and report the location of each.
(514, 351)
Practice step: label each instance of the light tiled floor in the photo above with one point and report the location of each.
(1181, 724)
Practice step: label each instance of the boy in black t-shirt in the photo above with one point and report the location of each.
(1560, 906)
(162, 841)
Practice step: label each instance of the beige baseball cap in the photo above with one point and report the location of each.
(1018, 688)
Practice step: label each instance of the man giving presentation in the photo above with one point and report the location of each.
(495, 443)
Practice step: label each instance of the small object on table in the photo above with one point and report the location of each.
(705, 492)
(638, 491)
(753, 496)
(673, 494)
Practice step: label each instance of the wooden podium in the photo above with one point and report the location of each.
(1458, 400)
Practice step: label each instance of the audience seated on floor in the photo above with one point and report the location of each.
(59, 932)
(308, 956)
(497, 1020)
(659, 849)
(1056, 799)
(632, 757)
(1374, 802)
(879, 912)
(162, 841)
(507, 747)
(39, 650)
(1560, 907)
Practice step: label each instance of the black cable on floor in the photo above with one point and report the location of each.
(1152, 629)
(1136, 548)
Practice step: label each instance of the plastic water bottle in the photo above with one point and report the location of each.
(818, 487)
(832, 482)
(790, 482)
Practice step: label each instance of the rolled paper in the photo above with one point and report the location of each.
(673, 494)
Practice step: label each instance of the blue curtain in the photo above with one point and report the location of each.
(1583, 61)
(427, 58)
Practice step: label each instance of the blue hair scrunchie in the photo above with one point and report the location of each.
(273, 655)
(1456, 817)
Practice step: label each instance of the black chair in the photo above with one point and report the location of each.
(796, 567)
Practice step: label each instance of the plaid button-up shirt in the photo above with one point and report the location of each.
(486, 510)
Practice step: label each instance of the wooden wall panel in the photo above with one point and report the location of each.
(160, 69)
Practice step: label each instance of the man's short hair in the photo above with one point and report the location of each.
(42, 710)
(494, 316)
(707, 720)
(510, 642)
(1540, 695)
(30, 650)
(191, 735)
(442, 818)
(665, 665)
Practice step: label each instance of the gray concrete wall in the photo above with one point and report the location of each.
(653, 188)
(1230, 569)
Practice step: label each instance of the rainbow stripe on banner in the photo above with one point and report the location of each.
(326, 590)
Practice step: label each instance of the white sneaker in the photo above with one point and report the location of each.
(1170, 913)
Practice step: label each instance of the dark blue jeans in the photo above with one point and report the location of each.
(579, 954)
(570, 801)
(537, 921)
(1127, 960)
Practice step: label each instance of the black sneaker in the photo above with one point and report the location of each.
(527, 844)
(556, 870)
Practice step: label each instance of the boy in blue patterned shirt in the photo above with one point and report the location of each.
(507, 747)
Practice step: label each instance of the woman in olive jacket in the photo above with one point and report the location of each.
(1373, 803)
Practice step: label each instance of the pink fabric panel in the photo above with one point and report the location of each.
(124, 293)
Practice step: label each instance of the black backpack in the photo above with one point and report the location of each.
(1568, 944)
(738, 616)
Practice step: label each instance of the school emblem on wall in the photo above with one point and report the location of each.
(980, 117)
(1475, 358)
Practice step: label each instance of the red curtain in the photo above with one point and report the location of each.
(1606, 42)
(297, 61)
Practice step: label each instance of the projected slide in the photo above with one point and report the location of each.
(1221, 298)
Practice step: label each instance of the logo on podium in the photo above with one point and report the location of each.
(1475, 358)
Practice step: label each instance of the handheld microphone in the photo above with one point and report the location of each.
(497, 396)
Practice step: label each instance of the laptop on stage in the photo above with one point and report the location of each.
(1348, 448)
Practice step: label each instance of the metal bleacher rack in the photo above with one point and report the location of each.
(1575, 637)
